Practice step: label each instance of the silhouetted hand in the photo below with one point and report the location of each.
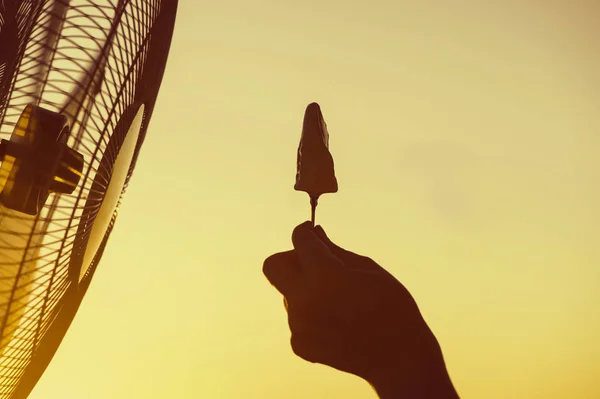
(347, 312)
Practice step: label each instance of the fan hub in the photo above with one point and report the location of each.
(37, 161)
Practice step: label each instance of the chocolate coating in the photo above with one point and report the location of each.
(315, 170)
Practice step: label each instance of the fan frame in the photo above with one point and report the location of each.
(65, 311)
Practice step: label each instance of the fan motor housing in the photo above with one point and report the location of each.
(37, 161)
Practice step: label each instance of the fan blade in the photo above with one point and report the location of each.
(88, 85)
(57, 18)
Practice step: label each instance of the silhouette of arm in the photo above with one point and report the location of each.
(347, 312)
(390, 384)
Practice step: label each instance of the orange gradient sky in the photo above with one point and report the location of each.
(466, 141)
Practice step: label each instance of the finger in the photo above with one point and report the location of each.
(350, 259)
(336, 249)
(312, 314)
(326, 348)
(283, 272)
(312, 251)
(312, 331)
(313, 347)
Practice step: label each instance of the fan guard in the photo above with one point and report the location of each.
(99, 65)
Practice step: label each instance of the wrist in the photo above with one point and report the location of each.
(410, 384)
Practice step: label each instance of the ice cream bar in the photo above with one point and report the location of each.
(315, 174)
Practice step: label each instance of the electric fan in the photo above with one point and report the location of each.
(78, 84)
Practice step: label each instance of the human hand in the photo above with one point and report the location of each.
(347, 312)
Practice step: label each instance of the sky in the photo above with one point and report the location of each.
(465, 139)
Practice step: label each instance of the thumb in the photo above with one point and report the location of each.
(348, 258)
(311, 250)
(338, 251)
(320, 232)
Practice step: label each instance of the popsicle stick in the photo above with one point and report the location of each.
(314, 201)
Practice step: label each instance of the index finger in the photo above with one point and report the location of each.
(283, 272)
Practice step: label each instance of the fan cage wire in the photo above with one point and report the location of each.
(40, 279)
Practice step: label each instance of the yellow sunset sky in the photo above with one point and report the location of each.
(466, 139)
